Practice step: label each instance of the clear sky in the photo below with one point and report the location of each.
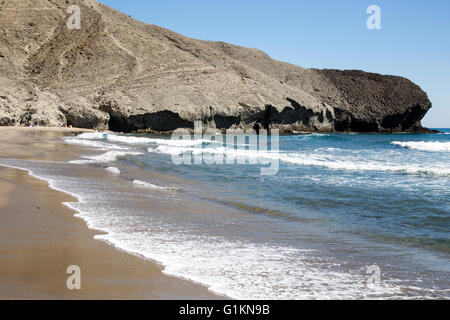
(414, 40)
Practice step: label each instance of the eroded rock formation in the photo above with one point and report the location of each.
(125, 75)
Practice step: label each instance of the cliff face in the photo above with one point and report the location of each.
(125, 75)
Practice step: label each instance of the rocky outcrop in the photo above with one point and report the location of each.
(370, 102)
(125, 75)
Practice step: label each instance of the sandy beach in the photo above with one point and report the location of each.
(40, 237)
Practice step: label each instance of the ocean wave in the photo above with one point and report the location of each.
(149, 185)
(113, 170)
(247, 270)
(328, 149)
(424, 146)
(92, 135)
(365, 165)
(106, 157)
(308, 159)
(133, 140)
(92, 143)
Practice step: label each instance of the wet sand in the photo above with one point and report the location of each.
(40, 237)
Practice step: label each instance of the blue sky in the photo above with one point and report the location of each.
(413, 41)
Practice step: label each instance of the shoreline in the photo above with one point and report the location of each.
(40, 239)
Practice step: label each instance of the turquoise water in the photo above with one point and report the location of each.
(338, 204)
(364, 185)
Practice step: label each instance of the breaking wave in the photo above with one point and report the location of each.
(113, 170)
(312, 159)
(132, 140)
(106, 157)
(149, 185)
(424, 146)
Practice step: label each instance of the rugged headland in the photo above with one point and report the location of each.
(124, 75)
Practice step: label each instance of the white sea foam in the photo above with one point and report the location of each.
(94, 140)
(241, 270)
(113, 170)
(328, 149)
(106, 157)
(363, 165)
(424, 146)
(317, 160)
(132, 140)
(149, 185)
(87, 143)
(91, 135)
(93, 144)
(246, 270)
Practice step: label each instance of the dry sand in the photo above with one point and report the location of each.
(40, 238)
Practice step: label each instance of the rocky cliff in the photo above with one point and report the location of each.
(118, 73)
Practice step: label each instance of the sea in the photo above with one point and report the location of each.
(345, 216)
